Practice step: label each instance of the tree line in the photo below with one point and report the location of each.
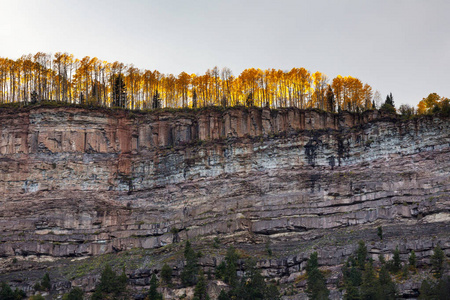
(362, 278)
(64, 78)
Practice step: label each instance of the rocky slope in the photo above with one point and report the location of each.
(79, 182)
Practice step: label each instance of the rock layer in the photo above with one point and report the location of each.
(81, 182)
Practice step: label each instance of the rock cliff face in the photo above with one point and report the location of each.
(78, 182)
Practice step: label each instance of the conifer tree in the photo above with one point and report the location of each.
(166, 274)
(153, 292)
(316, 284)
(361, 254)
(200, 288)
(156, 102)
(190, 271)
(396, 262)
(437, 261)
(412, 259)
(119, 92)
(369, 286)
(386, 288)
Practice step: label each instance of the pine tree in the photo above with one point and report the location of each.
(6, 292)
(194, 99)
(200, 288)
(369, 286)
(361, 254)
(386, 288)
(231, 262)
(156, 102)
(166, 274)
(389, 104)
(412, 259)
(396, 264)
(390, 100)
(352, 280)
(45, 283)
(380, 232)
(75, 294)
(437, 261)
(316, 284)
(153, 292)
(190, 271)
(119, 91)
(110, 283)
(427, 290)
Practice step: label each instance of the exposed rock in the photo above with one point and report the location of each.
(81, 182)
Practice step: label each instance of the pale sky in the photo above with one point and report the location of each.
(396, 46)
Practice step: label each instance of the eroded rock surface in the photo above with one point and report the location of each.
(78, 182)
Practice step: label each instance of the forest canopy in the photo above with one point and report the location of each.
(91, 81)
(62, 77)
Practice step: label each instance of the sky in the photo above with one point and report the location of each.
(398, 46)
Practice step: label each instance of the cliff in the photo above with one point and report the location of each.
(79, 182)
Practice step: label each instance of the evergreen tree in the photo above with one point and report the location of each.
(380, 232)
(369, 284)
(437, 261)
(390, 100)
(110, 283)
(200, 288)
(231, 259)
(316, 283)
(427, 290)
(45, 283)
(194, 99)
(166, 274)
(119, 91)
(108, 280)
(412, 259)
(6, 292)
(443, 288)
(352, 280)
(75, 294)
(221, 269)
(156, 102)
(396, 264)
(252, 285)
(389, 104)
(386, 288)
(440, 290)
(153, 292)
(361, 254)
(190, 271)
(405, 270)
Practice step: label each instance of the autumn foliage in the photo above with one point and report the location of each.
(62, 77)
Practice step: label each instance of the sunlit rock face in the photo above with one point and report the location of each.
(78, 182)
